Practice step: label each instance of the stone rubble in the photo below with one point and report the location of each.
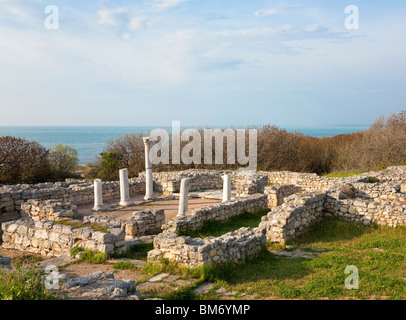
(101, 286)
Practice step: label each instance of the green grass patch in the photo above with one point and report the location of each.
(26, 259)
(379, 254)
(93, 257)
(216, 228)
(75, 250)
(78, 225)
(373, 180)
(124, 265)
(137, 251)
(344, 174)
(25, 284)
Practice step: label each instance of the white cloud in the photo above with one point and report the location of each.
(265, 12)
(165, 4)
(255, 32)
(111, 17)
(137, 22)
(312, 27)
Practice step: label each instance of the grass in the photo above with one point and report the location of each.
(137, 251)
(78, 224)
(216, 228)
(26, 259)
(373, 180)
(25, 284)
(93, 257)
(124, 265)
(379, 254)
(343, 174)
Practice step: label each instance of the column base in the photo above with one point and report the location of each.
(99, 208)
(150, 197)
(126, 203)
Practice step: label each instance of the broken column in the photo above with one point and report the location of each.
(149, 190)
(183, 197)
(226, 188)
(98, 195)
(124, 189)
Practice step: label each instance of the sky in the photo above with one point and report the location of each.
(211, 62)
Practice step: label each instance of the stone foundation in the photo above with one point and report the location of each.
(353, 198)
(48, 210)
(235, 246)
(277, 193)
(292, 217)
(195, 219)
(73, 191)
(146, 222)
(49, 239)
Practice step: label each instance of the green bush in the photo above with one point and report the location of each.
(63, 161)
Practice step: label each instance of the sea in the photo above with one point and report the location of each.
(90, 141)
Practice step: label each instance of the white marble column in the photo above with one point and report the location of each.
(183, 198)
(98, 195)
(226, 188)
(149, 184)
(124, 189)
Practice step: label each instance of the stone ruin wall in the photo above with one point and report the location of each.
(48, 210)
(142, 223)
(234, 246)
(195, 219)
(49, 239)
(300, 211)
(74, 192)
(277, 193)
(243, 183)
(373, 203)
(381, 203)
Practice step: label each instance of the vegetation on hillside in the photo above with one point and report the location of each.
(380, 146)
(23, 161)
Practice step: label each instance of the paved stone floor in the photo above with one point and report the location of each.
(169, 205)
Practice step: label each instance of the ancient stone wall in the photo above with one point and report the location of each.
(365, 211)
(145, 222)
(249, 183)
(195, 219)
(277, 193)
(293, 216)
(234, 246)
(48, 210)
(49, 239)
(74, 192)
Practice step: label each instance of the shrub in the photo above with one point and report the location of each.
(22, 161)
(63, 161)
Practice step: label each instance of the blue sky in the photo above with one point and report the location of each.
(211, 62)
